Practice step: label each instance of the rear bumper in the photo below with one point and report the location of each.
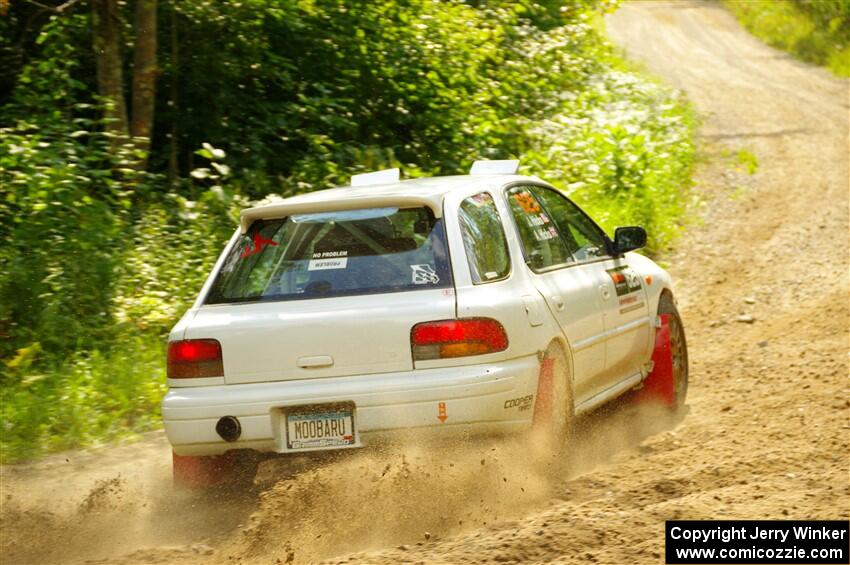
(475, 398)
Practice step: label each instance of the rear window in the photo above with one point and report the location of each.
(329, 254)
(484, 239)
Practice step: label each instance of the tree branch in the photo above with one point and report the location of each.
(58, 9)
(62, 7)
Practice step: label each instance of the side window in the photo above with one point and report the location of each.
(584, 238)
(541, 240)
(484, 239)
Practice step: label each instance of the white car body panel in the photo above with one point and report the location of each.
(279, 354)
(473, 395)
(286, 340)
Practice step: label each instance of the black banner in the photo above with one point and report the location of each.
(816, 542)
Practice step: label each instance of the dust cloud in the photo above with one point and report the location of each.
(401, 493)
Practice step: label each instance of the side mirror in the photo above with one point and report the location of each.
(628, 239)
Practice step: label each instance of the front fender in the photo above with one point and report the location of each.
(655, 279)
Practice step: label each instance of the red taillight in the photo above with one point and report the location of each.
(194, 358)
(457, 338)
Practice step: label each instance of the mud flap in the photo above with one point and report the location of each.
(200, 472)
(545, 384)
(659, 386)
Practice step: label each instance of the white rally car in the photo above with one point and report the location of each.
(463, 304)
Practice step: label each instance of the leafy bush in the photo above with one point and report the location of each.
(93, 397)
(62, 212)
(817, 31)
(623, 150)
(173, 247)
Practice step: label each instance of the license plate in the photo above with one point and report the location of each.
(320, 427)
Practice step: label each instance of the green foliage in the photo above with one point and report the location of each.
(267, 97)
(93, 397)
(58, 254)
(173, 247)
(817, 31)
(748, 160)
(623, 149)
(60, 207)
(332, 83)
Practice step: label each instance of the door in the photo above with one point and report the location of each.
(627, 322)
(571, 294)
(620, 290)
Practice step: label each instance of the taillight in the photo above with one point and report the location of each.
(445, 339)
(194, 358)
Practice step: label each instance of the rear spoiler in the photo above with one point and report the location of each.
(495, 167)
(305, 205)
(386, 176)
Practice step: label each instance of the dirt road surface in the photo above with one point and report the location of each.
(763, 285)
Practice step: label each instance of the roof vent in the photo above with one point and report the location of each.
(498, 167)
(387, 176)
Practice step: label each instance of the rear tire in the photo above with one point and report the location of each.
(554, 409)
(678, 351)
(234, 469)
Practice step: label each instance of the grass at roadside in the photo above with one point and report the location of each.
(92, 398)
(815, 31)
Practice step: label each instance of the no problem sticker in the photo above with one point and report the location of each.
(328, 260)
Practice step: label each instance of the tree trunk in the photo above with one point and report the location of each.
(107, 50)
(173, 164)
(144, 78)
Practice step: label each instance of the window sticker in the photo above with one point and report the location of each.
(328, 260)
(259, 244)
(527, 202)
(481, 199)
(543, 233)
(424, 274)
(536, 220)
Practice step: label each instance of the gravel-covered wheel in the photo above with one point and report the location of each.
(678, 350)
(554, 409)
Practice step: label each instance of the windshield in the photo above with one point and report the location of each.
(335, 254)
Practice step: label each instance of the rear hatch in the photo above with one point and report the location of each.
(327, 294)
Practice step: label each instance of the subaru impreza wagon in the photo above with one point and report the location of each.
(478, 304)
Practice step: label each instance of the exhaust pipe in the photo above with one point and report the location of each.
(229, 428)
